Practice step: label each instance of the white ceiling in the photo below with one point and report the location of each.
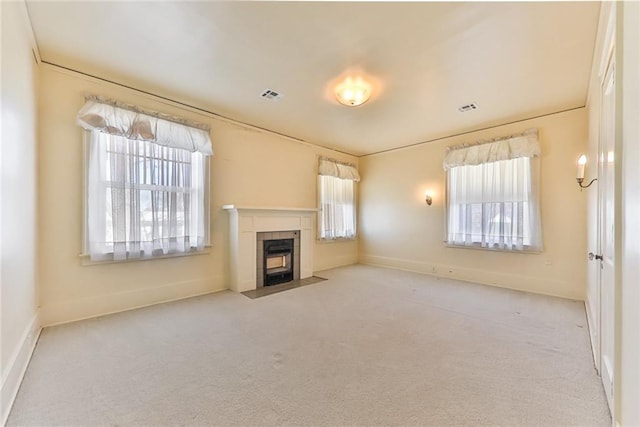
(515, 60)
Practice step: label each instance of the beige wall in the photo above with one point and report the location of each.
(18, 294)
(400, 230)
(249, 168)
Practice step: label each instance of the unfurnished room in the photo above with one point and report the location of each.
(243, 213)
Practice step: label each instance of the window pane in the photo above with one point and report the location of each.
(492, 205)
(150, 198)
(337, 208)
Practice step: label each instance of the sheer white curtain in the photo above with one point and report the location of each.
(147, 182)
(494, 204)
(337, 208)
(336, 194)
(143, 199)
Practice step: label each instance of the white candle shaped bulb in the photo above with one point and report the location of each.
(582, 161)
(428, 197)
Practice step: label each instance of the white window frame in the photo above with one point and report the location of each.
(87, 137)
(535, 235)
(328, 235)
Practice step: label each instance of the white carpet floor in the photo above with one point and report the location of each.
(369, 346)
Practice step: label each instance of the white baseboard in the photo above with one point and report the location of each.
(335, 262)
(518, 282)
(17, 367)
(56, 313)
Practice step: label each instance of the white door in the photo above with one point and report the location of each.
(607, 232)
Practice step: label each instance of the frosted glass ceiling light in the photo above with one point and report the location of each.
(353, 91)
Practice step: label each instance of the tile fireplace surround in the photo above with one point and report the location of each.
(246, 222)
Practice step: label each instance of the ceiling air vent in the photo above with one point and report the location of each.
(468, 107)
(271, 94)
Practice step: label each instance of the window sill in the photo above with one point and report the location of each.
(481, 248)
(86, 261)
(337, 240)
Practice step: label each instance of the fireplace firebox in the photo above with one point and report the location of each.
(278, 261)
(277, 257)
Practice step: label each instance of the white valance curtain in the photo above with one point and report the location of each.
(115, 118)
(330, 167)
(513, 147)
(147, 182)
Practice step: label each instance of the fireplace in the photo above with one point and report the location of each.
(248, 226)
(277, 257)
(278, 261)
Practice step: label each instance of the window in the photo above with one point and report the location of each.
(492, 202)
(143, 199)
(336, 194)
(337, 208)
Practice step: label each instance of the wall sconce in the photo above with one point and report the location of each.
(582, 162)
(428, 198)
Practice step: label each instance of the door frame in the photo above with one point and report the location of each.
(607, 306)
(607, 49)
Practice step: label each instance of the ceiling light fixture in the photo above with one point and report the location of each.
(353, 91)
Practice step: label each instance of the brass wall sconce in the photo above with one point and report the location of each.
(582, 162)
(428, 198)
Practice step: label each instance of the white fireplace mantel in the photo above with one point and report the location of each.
(244, 224)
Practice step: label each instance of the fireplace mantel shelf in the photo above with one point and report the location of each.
(266, 208)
